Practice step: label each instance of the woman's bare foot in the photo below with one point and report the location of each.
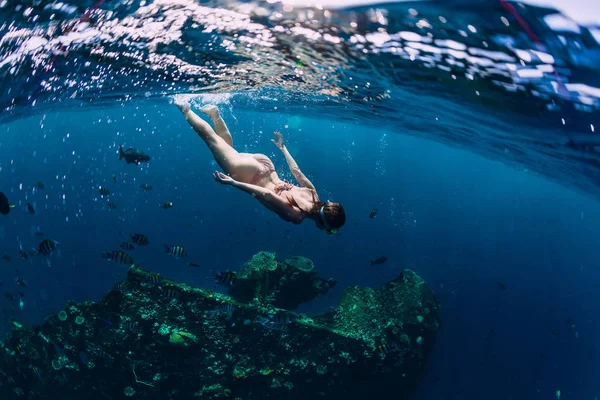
(183, 102)
(211, 110)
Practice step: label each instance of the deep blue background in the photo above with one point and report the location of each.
(461, 221)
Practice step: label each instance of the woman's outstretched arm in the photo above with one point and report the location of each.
(265, 196)
(298, 174)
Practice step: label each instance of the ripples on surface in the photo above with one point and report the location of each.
(514, 82)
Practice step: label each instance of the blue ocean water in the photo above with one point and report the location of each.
(493, 201)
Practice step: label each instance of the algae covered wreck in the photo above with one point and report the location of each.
(154, 338)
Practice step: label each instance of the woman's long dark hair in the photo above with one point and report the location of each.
(334, 213)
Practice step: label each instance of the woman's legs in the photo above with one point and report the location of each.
(220, 127)
(241, 167)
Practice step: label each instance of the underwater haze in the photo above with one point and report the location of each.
(471, 127)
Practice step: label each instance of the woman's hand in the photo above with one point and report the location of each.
(222, 178)
(279, 142)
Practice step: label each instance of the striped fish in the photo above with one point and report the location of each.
(275, 327)
(119, 257)
(100, 353)
(187, 338)
(170, 293)
(126, 246)
(175, 251)
(47, 246)
(139, 239)
(129, 325)
(21, 348)
(121, 287)
(24, 255)
(104, 191)
(387, 348)
(225, 278)
(278, 321)
(284, 317)
(226, 309)
(155, 279)
(166, 205)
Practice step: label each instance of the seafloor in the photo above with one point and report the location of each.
(151, 338)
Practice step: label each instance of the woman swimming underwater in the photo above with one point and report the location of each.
(255, 174)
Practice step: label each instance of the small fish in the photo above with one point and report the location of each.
(146, 186)
(120, 287)
(84, 358)
(558, 395)
(36, 371)
(21, 348)
(133, 156)
(30, 208)
(278, 321)
(380, 260)
(114, 178)
(155, 279)
(190, 264)
(39, 185)
(419, 340)
(24, 255)
(21, 282)
(6, 257)
(111, 205)
(59, 350)
(104, 191)
(126, 246)
(274, 327)
(166, 205)
(387, 348)
(107, 322)
(119, 257)
(101, 353)
(226, 309)
(9, 296)
(284, 317)
(170, 293)
(501, 285)
(225, 278)
(139, 239)
(47, 246)
(4, 204)
(373, 213)
(175, 250)
(129, 325)
(187, 338)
